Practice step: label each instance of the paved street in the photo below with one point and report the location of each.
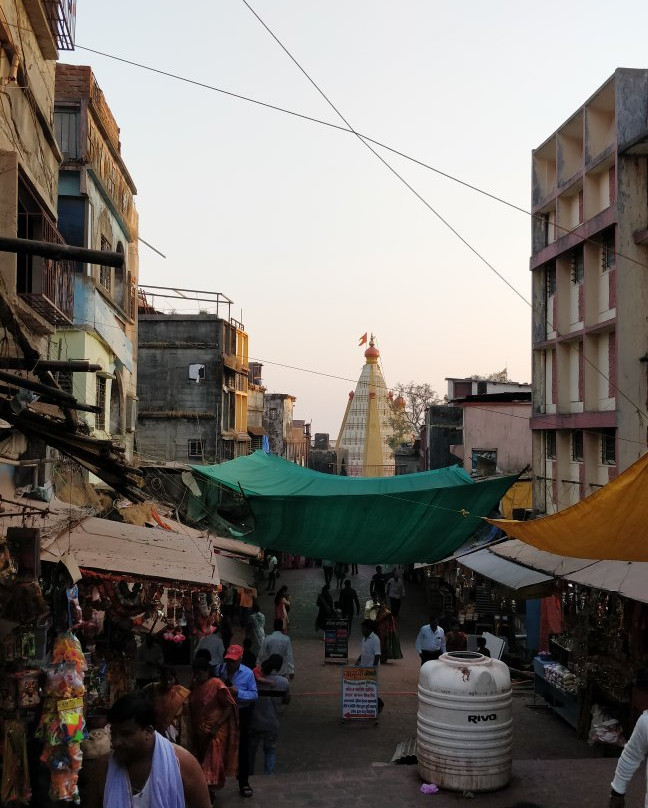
(322, 762)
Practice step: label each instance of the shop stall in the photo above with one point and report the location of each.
(87, 607)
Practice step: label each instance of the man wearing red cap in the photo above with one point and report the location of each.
(242, 685)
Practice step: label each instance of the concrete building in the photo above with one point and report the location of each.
(590, 294)
(495, 434)
(255, 402)
(362, 447)
(287, 437)
(40, 290)
(441, 434)
(192, 387)
(96, 210)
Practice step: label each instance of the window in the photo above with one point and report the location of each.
(105, 273)
(484, 462)
(608, 447)
(577, 265)
(195, 449)
(550, 444)
(608, 251)
(577, 446)
(482, 388)
(550, 279)
(100, 401)
(66, 127)
(197, 373)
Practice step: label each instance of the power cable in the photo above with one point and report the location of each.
(364, 138)
(432, 209)
(344, 129)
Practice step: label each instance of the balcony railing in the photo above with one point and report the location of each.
(46, 285)
(62, 19)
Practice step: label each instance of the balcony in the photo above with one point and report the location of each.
(61, 15)
(47, 286)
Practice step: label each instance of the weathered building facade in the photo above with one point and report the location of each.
(192, 388)
(255, 401)
(40, 290)
(96, 209)
(590, 294)
(287, 437)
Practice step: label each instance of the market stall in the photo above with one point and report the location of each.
(90, 608)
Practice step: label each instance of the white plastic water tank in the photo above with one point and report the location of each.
(465, 723)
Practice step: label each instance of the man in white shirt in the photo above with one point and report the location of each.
(430, 642)
(395, 591)
(279, 643)
(215, 646)
(272, 572)
(633, 755)
(370, 649)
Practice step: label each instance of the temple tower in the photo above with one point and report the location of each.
(362, 442)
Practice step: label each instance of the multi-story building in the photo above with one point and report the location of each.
(192, 388)
(96, 210)
(590, 294)
(255, 399)
(287, 437)
(40, 290)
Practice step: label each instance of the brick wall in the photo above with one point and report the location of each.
(72, 82)
(76, 83)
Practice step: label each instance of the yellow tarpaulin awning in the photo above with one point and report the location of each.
(608, 525)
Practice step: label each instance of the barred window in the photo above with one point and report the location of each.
(195, 449)
(100, 401)
(608, 447)
(577, 445)
(550, 444)
(608, 251)
(577, 265)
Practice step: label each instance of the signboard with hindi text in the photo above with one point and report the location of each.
(359, 693)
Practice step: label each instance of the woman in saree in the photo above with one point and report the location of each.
(282, 607)
(169, 702)
(214, 726)
(388, 635)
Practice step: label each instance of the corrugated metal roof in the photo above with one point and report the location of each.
(102, 544)
(628, 578)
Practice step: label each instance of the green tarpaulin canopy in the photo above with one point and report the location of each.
(369, 520)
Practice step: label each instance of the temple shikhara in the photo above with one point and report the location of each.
(362, 447)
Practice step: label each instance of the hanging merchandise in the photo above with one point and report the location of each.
(62, 725)
(15, 773)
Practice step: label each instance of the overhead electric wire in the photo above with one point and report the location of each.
(366, 141)
(350, 131)
(430, 207)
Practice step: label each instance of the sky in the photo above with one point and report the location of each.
(312, 236)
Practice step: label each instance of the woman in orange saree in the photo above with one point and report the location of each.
(214, 725)
(169, 700)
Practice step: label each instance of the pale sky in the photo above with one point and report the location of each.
(314, 239)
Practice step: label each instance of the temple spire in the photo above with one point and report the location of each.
(365, 427)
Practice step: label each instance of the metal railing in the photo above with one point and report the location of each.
(47, 284)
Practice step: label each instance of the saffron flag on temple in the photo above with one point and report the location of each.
(363, 339)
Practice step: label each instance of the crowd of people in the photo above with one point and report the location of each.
(215, 727)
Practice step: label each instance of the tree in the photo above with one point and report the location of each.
(408, 408)
(499, 376)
